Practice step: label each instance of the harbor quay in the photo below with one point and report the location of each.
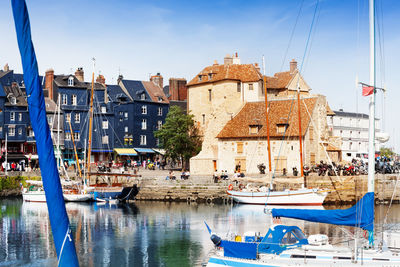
(155, 186)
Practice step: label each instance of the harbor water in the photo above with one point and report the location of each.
(144, 233)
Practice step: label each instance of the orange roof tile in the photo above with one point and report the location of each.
(280, 112)
(155, 92)
(280, 80)
(240, 72)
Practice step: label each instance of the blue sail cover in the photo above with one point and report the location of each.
(63, 241)
(360, 215)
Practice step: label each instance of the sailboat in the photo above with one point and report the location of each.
(286, 245)
(302, 197)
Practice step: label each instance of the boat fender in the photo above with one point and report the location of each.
(230, 187)
(216, 239)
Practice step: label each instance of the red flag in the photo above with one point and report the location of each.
(367, 90)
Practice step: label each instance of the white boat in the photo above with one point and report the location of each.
(35, 194)
(77, 197)
(301, 197)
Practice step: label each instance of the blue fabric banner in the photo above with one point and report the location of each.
(360, 215)
(63, 241)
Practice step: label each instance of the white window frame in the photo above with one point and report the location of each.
(77, 136)
(159, 125)
(105, 124)
(143, 96)
(126, 114)
(104, 140)
(143, 140)
(144, 109)
(103, 109)
(159, 111)
(64, 99)
(20, 116)
(19, 131)
(144, 124)
(77, 117)
(126, 129)
(11, 131)
(67, 136)
(12, 116)
(74, 100)
(71, 81)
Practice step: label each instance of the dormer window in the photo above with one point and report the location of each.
(281, 127)
(200, 78)
(71, 81)
(254, 129)
(13, 100)
(143, 96)
(210, 76)
(160, 99)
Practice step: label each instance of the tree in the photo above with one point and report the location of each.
(179, 136)
(386, 152)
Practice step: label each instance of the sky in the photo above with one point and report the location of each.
(179, 38)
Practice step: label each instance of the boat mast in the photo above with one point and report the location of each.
(6, 153)
(267, 119)
(371, 136)
(300, 135)
(76, 154)
(58, 132)
(90, 120)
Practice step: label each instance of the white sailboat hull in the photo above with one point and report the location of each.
(78, 197)
(302, 197)
(34, 196)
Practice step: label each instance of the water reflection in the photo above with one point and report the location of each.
(141, 234)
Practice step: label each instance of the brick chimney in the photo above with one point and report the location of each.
(101, 79)
(236, 59)
(6, 67)
(79, 74)
(158, 79)
(293, 66)
(177, 89)
(49, 83)
(228, 60)
(257, 66)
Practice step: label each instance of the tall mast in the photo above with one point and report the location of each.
(58, 132)
(6, 153)
(267, 119)
(371, 136)
(91, 119)
(76, 154)
(300, 135)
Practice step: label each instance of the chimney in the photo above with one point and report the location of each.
(158, 79)
(49, 83)
(293, 66)
(257, 67)
(228, 60)
(79, 74)
(6, 67)
(215, 63)
(101, 79)
(236, 59)
(120, 78)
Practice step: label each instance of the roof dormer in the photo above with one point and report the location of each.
(71, 81)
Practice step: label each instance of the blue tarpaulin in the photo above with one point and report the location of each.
(360, 215)
(63, 241)
(241, 250)
(144, 150)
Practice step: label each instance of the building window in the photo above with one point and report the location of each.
(143, 96)
(19, 131)
(11, 131)
(71, 81)
(204, 118)
(254, 129)
(13, 100)
(1, 129)
(157, 142)
(68, 136)
(239, 147)
(239, 87)
(50, 119)
(159, 111)
(126, 129)
(159, 125)
(73, 100)
(160, 99)
(30, 132)
(209, 94)
(77, 117)
(209, 76)
(144, 124)
(19, 116)
(103, 109)
(144, 109)
(121, 113)
(143, 140)
(105, 124)
(64, 99)
(68, 117)
(121, 119)
(250, 86)
(126, 114)
(104, 140)
(281, 128)
(12, 116)
(76, 136)
(200, 77)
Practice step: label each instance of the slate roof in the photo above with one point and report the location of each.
(135, 89)
(62, 81)
(239, 72)
(283, 112)
(155, 92)
(14, 90)
(341, 113)
(115, 92)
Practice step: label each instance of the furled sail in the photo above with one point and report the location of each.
(360, 215)
(63, 241)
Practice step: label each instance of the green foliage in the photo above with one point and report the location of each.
(179, 136)
(386, 152)
(11, 182)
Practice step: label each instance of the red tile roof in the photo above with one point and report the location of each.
(155, 92)
(239, 72)
(280, 112)
(280, 80)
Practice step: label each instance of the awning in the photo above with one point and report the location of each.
(126, 151)
(102, 150)
(32, 156)
(159, 151)
(144, 150)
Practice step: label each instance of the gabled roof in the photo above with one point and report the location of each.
(135, 89)
(116, 93)
(280, 80)
(281, 112)
(155, 92)
(239, 72)
(14, 90)
(62, 81)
